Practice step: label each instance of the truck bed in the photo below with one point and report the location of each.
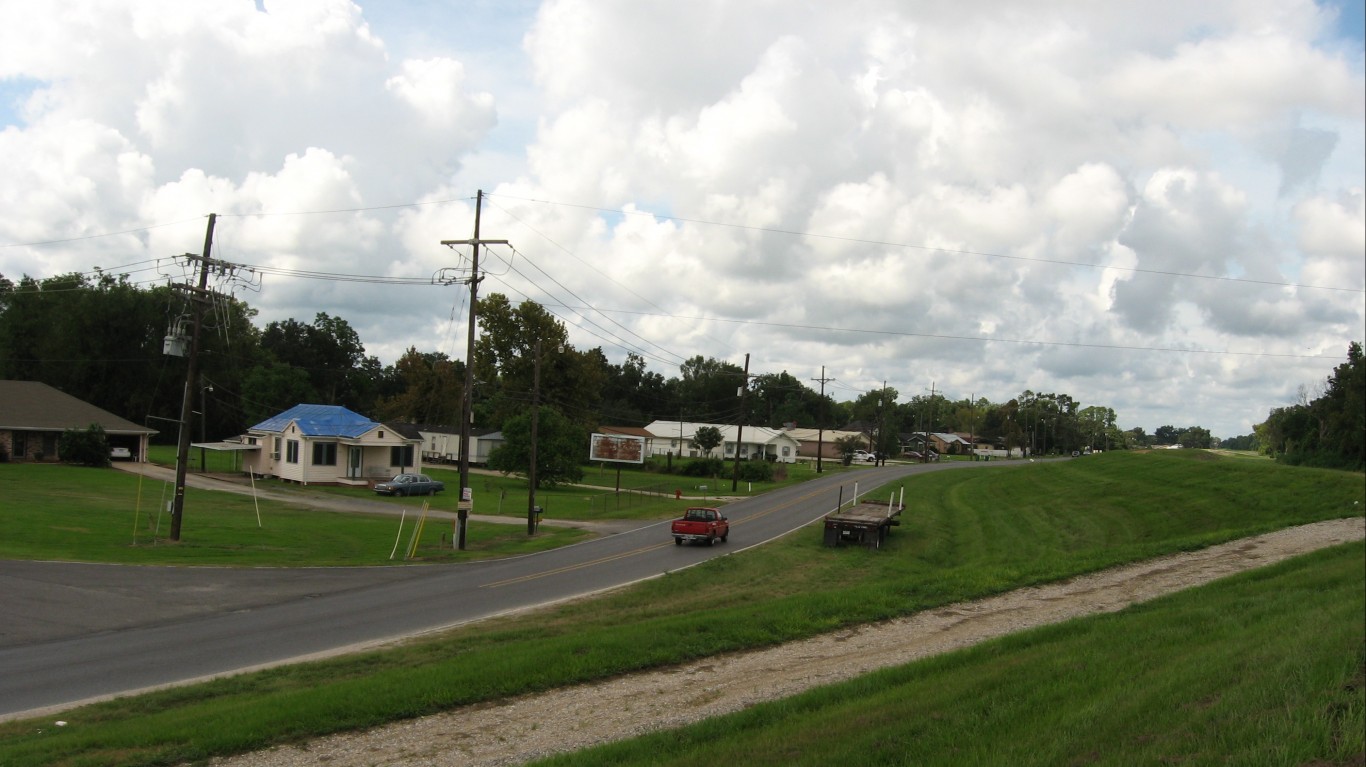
(863, 524)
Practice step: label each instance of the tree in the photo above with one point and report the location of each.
(779, 398)
(846, 446)
(1241, 442)
(431, 385)
(1196, 437)
(708, 389)
(706, 439)
(331, 354)
(505, 360)
(632, 395)
(1166, 435)
(1329, 430)
(1097, 426)
(561, 446)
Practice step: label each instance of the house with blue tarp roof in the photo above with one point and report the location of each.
(329, 444)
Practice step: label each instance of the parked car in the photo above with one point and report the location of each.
(864, 455)
(120, 454)
(914, 455)
(410, 484)
(701, 525)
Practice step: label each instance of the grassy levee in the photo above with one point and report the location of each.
(965, 534)
(1264, 668)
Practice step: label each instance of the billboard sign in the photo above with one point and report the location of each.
(617, 447)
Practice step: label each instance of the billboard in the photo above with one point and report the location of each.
(616, 447)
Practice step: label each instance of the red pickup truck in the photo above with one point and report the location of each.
(701, 524)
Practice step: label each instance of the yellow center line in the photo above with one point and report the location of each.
(579, 566)
(634, 552)
(789, 504)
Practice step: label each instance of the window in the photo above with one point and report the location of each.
(401, 455)
(292, 451)
(787, 451)
(324, 453)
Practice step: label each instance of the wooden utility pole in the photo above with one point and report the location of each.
(535, 422)
(879, 460)
(820, 424)
(467, 399)
(740, 427)
(198, 297)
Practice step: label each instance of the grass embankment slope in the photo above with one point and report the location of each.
(1225, 670)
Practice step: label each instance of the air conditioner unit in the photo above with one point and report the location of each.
(274, 456)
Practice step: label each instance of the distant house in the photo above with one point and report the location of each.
(821, 440)
(441, 444)
(755, 441)
(33, 416)
(328, 444)
(948, 442)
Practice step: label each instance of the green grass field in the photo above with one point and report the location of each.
(1265, 668)
(965, 535)
(103, 515)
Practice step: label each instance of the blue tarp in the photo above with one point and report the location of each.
(320, 421)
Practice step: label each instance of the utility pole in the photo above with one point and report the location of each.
(930, 426)
(535, 422)
(198, 297)
(820, 424)
(740, 427)
(881, 425)
(467, 398)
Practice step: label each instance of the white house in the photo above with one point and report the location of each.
(327, 444)
(441, 444)
(756, 441)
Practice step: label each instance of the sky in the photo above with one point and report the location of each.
(1154, 206)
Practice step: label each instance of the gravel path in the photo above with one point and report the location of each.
(521, 729)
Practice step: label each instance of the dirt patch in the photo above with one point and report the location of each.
(567, 719)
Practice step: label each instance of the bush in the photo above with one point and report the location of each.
(703, 467)
(756, 471)
(88, 448)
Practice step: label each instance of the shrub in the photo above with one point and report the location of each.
(88, 447)
(756, 471)
(703, 467)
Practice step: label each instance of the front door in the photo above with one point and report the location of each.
(353, 462)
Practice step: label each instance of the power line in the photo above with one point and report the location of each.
(147, 228)
(983, 339)
(937, 249)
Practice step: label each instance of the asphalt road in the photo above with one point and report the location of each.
(73, 633)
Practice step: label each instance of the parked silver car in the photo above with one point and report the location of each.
(410, 484)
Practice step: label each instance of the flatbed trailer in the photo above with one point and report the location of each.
(863, 524)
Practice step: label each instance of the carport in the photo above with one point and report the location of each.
(228, 446)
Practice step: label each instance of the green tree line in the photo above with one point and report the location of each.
(101, 339)
(1328, 430)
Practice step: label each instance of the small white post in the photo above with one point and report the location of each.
(254, 500)
(398, 537)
